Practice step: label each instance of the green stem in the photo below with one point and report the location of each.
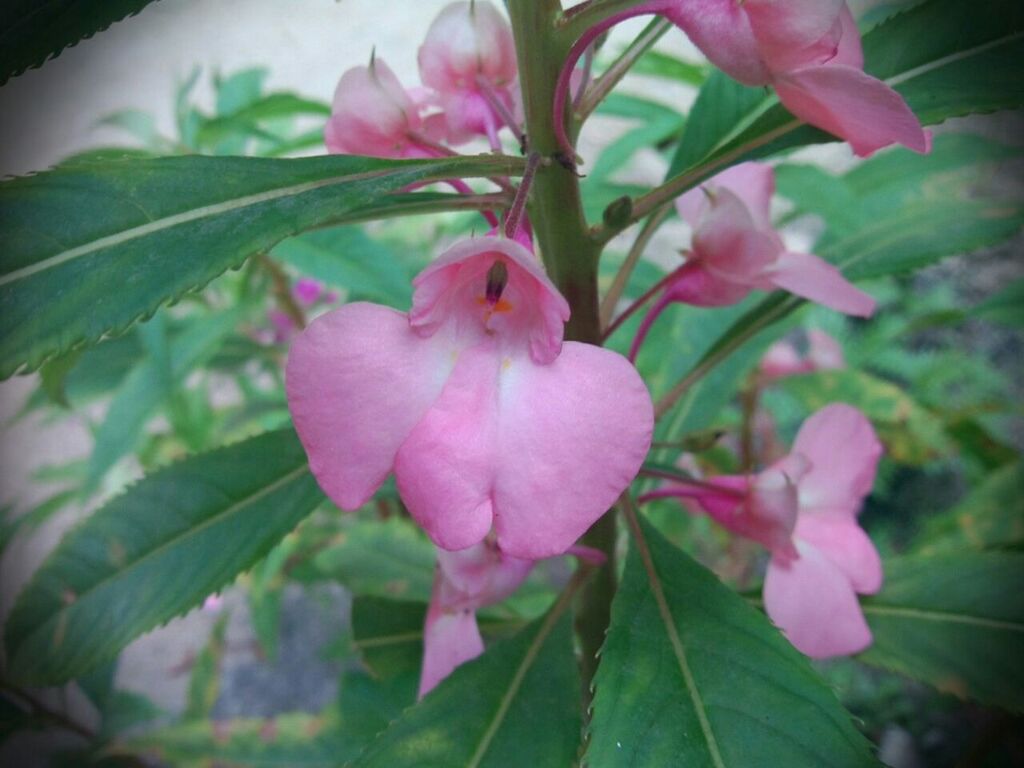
(570, 255)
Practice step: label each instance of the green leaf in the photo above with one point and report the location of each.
(33, 31)
(911, 434)
(692, 675)
(945, 57)
(346, 257)
(368, 704)
(388, 634)
(991, 515)
(155, 379)
(296, 740)
(516, 705)
(954, 621)
(1006, 307)
(90, 248)
(204, 682)
(661, 64)
(389, 559)
(156, 551)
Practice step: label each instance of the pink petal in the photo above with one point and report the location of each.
(843, 450)
(465, 41)
(722, 31)
(846, 544)
(824, 352)
(811, 600)
(781, 360)
(371, 114)
(358, 379)
(450, 639)
(447, 285)
(852, 105)
(445, 467)
(795, 33)
(850, 51)
(699, 287)
(479, 576)
(817, 280)
(573, 435)
(729, 243)
(753, 183)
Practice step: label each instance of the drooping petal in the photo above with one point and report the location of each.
(371, 114)
(479, 576)
(811, 600)
(795, 33)
(358, 379)
(846, 544)
(843, 450)
(450, 638)
(721, 29)
(815, 279)
(573, 434)
(850, 52)
(852, 105)
(445, 467)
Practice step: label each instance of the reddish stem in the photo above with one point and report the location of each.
(632, 308)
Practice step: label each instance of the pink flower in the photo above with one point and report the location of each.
(804, 509)
(486, 417)
(465, 582)
(810, 52)
(373, 115)
(782, 358)
(735, 250)
(307, 291)
(469, 58)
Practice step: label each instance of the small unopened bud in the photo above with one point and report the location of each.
(618, 212)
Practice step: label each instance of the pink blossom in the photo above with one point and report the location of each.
(488, 420)
(782, 358)
(465, 582)
(804, 510)
(307, 291)
(735, 250)
(810, 52)
(469, 59)
(372, 114)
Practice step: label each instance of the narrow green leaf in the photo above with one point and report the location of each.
(346, 257)
(147, 231)
(156, 551)
(692, 675)
(516, 705)
(204, 682)
(1006, 307)
(954, 621)
(33, 31)
(389, 559)
(991, 515)
(297, 740)
(911, 433)
(152, 382)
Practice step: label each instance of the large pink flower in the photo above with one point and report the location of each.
(804, 509)
(735, 250)
(810, 52)
(488, 420)
(372, 114)
(469, 59)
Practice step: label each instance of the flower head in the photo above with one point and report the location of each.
(810, 52)
(469, 59)
(487, 418)
(372, 114)
(804, 510)
(736, 250)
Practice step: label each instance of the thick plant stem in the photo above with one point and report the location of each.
(570, 255)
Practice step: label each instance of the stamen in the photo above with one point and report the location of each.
(497, 279)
